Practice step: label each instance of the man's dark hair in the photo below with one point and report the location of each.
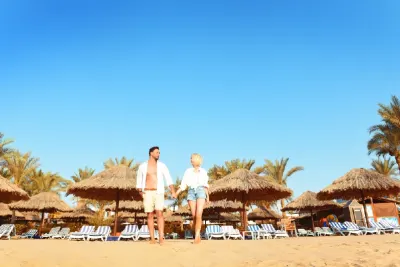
(153, 148)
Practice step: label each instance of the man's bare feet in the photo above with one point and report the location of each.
(152, 242)
(197, 240)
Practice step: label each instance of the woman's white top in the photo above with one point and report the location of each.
(194, 179)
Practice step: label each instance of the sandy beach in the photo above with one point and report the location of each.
(318, 251)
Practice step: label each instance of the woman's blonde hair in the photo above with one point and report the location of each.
(197, 158)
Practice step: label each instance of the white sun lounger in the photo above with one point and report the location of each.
(130, 232)
(101, 233)
(30, 234)
(53, 231)
(6, 230)
(214, 231)
(269, 228)
(303, 232)
(230, 232)
(387, 225)
(64, 233)
(340, 228)
(85, 230)
(256, 232)
(365, 231)
(145, 233)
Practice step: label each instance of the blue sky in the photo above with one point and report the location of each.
(82, 82)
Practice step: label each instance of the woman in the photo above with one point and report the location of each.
(196, 179)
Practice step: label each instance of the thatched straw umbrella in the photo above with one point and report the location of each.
(360, 183)
(308, 202)
(263, 214)
(222, 205)
(117, 183)
(132, 206)
(48, 202)
(6, 212)
(173, 218)
(245, 186)
(81, 212)
(9, 192)
(183, 211)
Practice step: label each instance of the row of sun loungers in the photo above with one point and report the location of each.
(264, 231)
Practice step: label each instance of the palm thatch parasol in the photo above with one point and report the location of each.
(222, 205)
(184, 211)
(43, 202)
(263, 214)
(117, 183)
(170, 217)
(136, 215)
(308, 202)
(360, 183)
(245, 186)
(6, 212)
(31, 216)
(81, 212)
(132, 206)
(9, 192)
(224, 217)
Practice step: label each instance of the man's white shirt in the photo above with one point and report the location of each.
(162, 173)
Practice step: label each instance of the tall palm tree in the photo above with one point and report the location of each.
(276, 172)
(83, 174)
(219, 171)
(181, 197)
(20, 167)
(123, 161)
(385, 166)
(47, 182)
(385, 140)
(3, 146)
(391, 113)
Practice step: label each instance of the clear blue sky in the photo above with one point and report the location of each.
(82, 82)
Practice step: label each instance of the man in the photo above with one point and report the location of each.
(151, 187)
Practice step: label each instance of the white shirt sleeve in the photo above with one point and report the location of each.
(139, 178)
(184, 184)
(167, 176)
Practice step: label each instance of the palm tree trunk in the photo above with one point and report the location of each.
(282, 206)
(397, 158)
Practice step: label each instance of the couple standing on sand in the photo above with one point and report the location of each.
(150, 184)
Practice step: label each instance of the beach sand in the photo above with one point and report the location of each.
(360, 251)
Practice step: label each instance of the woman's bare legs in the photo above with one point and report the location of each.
(192, 205)
(199, 220)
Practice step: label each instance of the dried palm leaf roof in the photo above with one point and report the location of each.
(263, 214)
(359, 183)
(244, 185)
(126, 215)
(9, 192)
(81, 212)
(118, 182)
(308, 201)
(223, 217)
(127, 206)
(222, 205)
(6, 212)
(183, 211)
(169, 217)
(31, 216)
(44, 202)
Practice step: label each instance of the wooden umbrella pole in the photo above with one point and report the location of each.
(116, 213)
(365, 209)
(312, 220)
(41, 224)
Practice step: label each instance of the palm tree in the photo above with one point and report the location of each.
(80, 176)
(47, 182)
(3, 143)
(181, 197)
(276, 172)
(83, 174)
(123, 161)
(20, 167)
(385, 166)
(385, 141)
(391, 113)
(217, 172)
